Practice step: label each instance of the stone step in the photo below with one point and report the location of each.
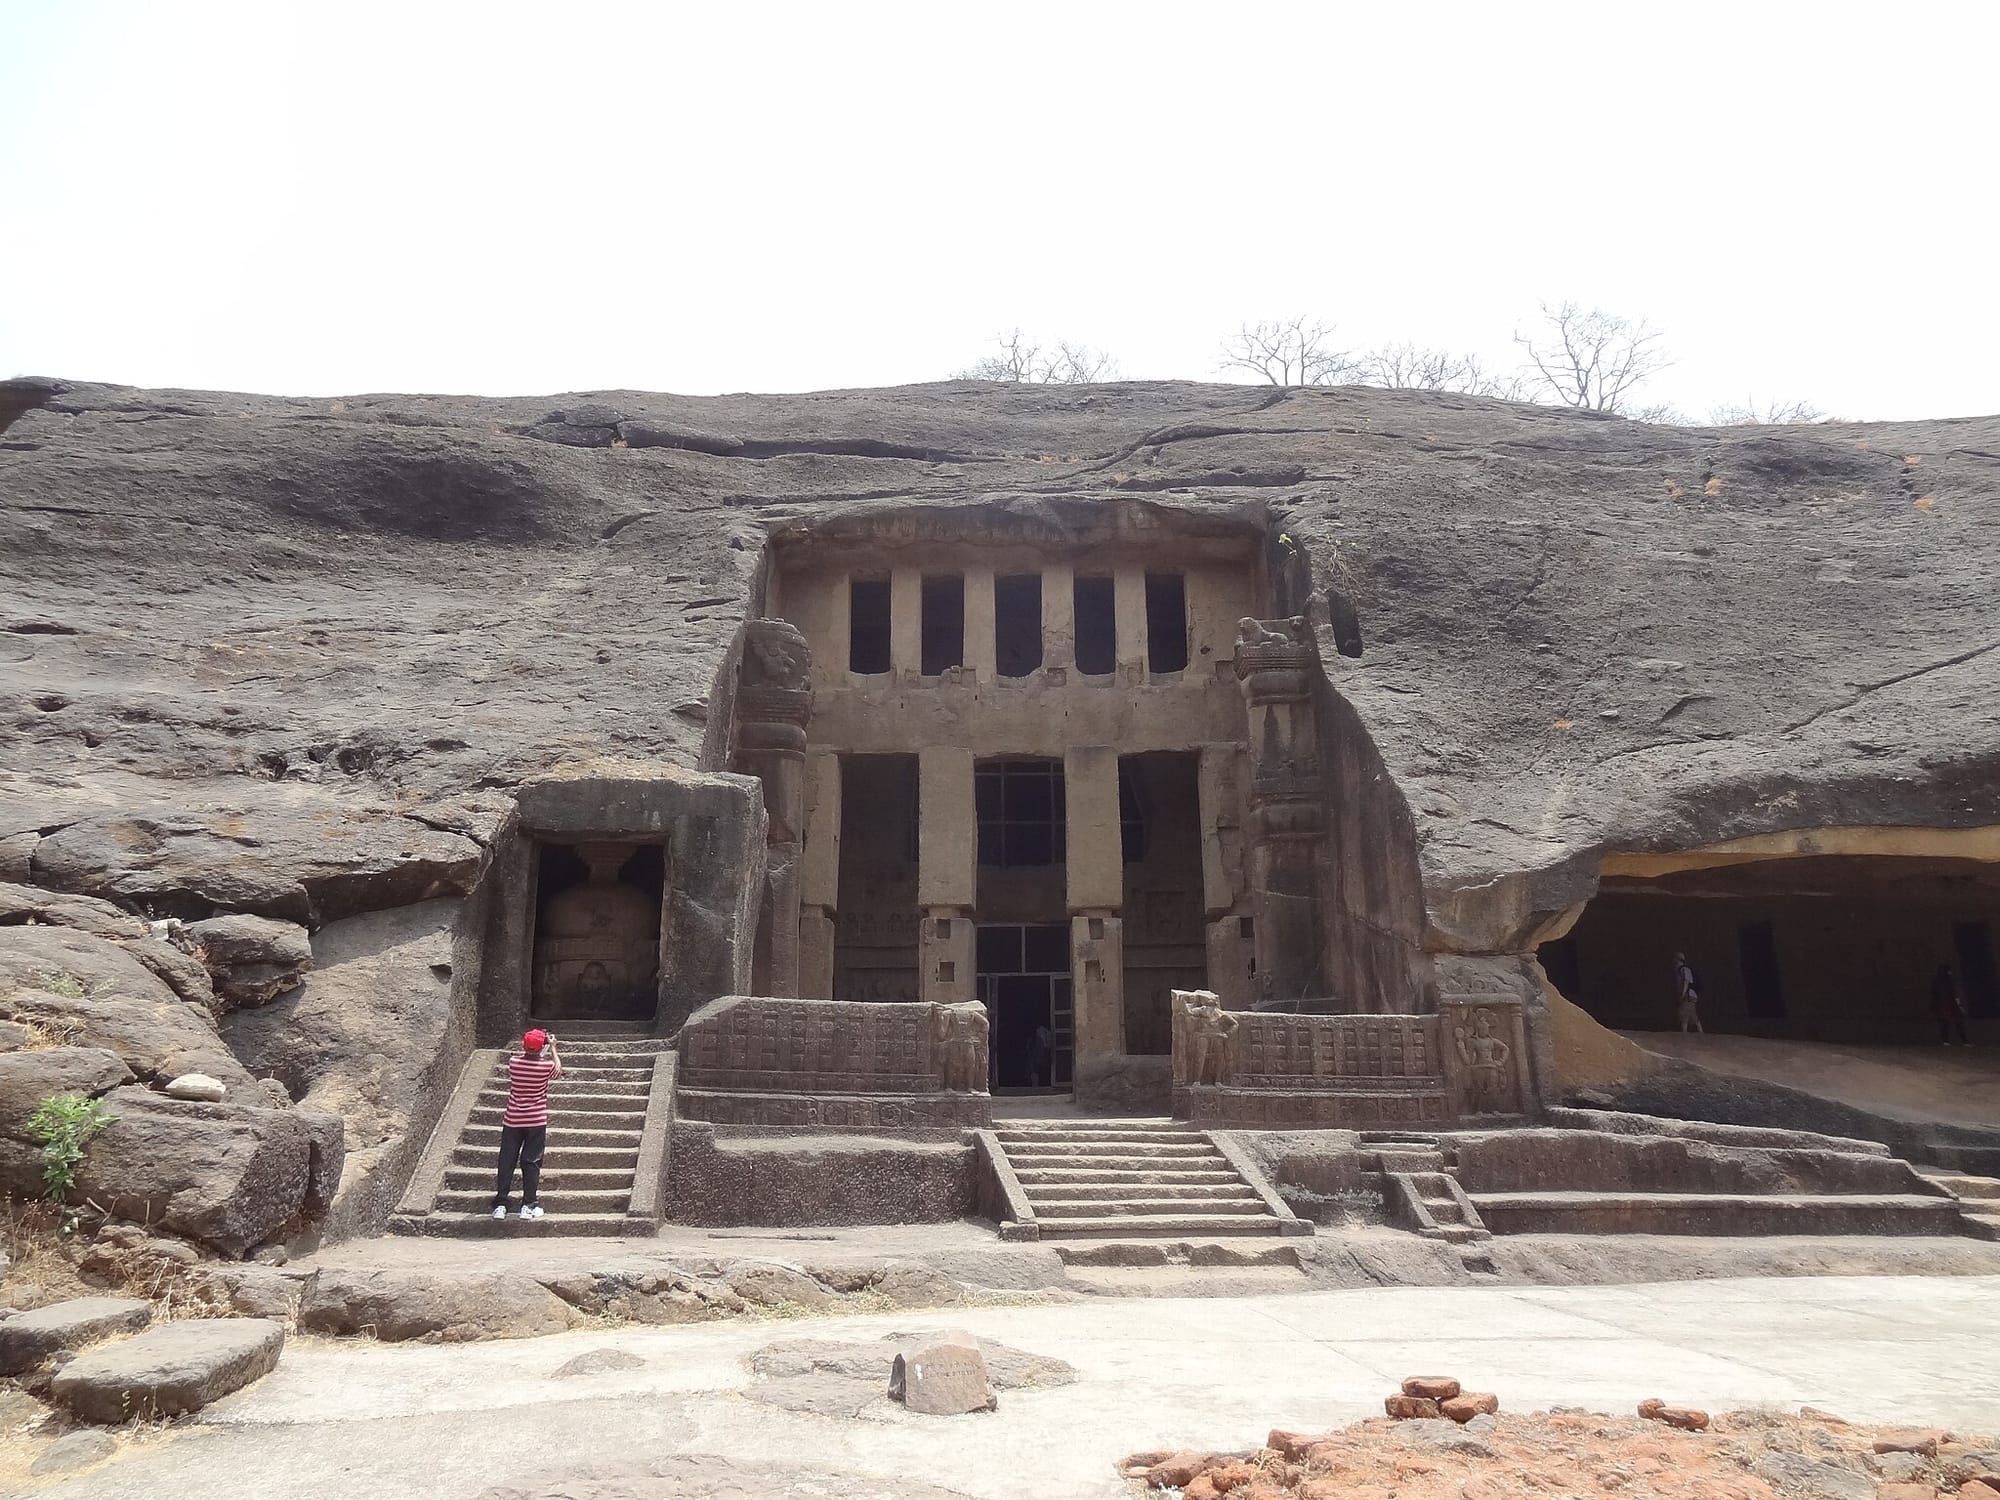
(615, 1097)
(590, 1158)
(1096, 1123)
(1963, 1183)
(1151, 1207)
(1050, 1137)
(485, 1135)
(1114, 1192)
(1196, 1149)
(483, 1225)
(1128, 1226)
(1980, 1223)
(618, 1116)
(1718, 1213)
(1179, 1176)
(557, 1178)
(480, 1200)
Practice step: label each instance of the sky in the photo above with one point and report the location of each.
(511, 199)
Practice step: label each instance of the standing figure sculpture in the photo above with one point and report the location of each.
(1202, 1033)
(1485, 1057)
(958, 1033)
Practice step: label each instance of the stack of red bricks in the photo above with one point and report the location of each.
(1439, 1396)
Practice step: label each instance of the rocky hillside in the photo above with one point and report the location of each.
(286, 656)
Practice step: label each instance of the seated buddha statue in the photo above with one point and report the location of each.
(597, 944)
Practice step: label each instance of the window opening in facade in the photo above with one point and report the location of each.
(868, 625)
(1166, 622)
(1021, 812)
(1131, 812)
(1023, 975)
(1096, 625)
(1017, 624)
(943, 623)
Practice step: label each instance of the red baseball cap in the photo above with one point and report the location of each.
(535, 1039)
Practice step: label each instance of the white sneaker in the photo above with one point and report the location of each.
(499, 1210)
(532, 1211)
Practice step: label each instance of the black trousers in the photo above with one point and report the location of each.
(522, 1144)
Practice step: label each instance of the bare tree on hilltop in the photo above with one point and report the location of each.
(1755, 413)
(1022, 361)
(1289, 352)
(1593, 360)
(1407, 367)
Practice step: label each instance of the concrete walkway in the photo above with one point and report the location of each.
(448, 1421)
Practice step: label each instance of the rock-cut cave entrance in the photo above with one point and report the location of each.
(597, 931)
(1839, 948)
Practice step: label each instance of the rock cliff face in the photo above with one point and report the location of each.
(288, 657)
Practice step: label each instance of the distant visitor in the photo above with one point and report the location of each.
(1948, 1007)
(1687, 994)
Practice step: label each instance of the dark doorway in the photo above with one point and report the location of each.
(1763, 989)
(1166, 935)
(875, 936)
(1024, 983)
(1974, 945)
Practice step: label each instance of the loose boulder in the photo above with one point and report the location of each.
(28, 1338)
(196, 1086)
(252, 959)
(174, 1368)
(229, 1176)
(944, 1377)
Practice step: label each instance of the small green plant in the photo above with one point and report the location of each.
(63, 1125)
(67, 985)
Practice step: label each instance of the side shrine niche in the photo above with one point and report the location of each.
(1258, 1069)
(596, 954)
(789, 1064)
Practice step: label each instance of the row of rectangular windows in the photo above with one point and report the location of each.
(1017, 624)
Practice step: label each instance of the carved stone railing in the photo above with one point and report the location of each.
(833, 1064)
(1463, 1064)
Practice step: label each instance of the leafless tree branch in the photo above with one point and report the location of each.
(1591, 360)
(1022, 361)
(1755, 413)
(1289, 352)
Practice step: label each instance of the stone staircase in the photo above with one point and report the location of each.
(1978, 1200)
(600, 1173)
(1419, 1186)
(1135, 1178)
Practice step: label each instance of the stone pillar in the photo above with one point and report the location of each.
(947, 874)
(906, 624)
(1229, 927)
(1275, 663)
(980, 649)
(1058, 617)
(773, 702)
(819, 876)
(1096, 895)
(1128, 586)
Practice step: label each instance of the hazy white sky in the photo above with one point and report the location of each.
(321, 199)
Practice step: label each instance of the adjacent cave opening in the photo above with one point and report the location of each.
(1827, 948)
(943, 622)
(1166, 622)
(868, 625)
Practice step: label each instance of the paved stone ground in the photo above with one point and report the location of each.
(450, 1422)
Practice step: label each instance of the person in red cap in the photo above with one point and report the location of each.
(524, 1127)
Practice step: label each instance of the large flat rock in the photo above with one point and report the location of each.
(28, 1338)
(174, 1368)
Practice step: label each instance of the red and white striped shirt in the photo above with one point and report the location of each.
(528, 1090)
